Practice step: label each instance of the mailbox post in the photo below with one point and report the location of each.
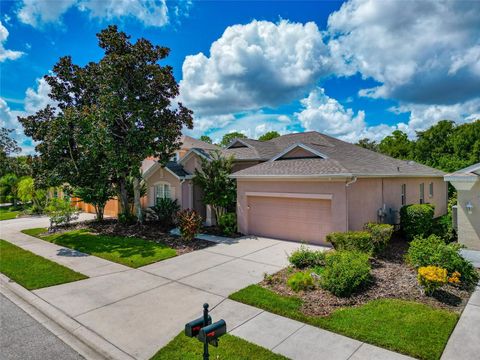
(206, 332)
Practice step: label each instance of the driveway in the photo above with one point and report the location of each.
(141, 310)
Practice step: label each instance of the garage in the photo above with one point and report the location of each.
(297, 217)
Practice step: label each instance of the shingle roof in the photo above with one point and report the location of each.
(176, 168)
(254, 150)
(189, 142)
(342, 158)
(471, 173)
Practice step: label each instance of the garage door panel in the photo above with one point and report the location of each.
(295, 219)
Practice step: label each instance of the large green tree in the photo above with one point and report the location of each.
(111, 115)
(227, 138)
(396, 145)
(269, 136)
(206, 139)
(366, 143)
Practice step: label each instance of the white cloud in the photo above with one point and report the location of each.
(40, 12)
(37, 99)
(260, 64)
(6, 54)
(425, 52)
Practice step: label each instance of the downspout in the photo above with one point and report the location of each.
(347, 184)
(181, 191)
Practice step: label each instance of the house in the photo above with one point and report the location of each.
(467, 183)
(303, 186)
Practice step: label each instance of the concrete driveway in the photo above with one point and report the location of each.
(141, 310)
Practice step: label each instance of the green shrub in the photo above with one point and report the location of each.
(301, 281)
(61, 212)
(189, 223)
(433, 251)
(443, 227)
(228, 224)
(381, 235)
(127, 218)
(345, 272)
(352, 240)
(166, 209)
(417, 220)
(306, 258)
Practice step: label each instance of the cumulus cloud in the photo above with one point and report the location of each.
(36, 99)
(425, 52)
(149, 12)
(6, 54)
(260, 64)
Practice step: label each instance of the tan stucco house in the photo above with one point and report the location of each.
(467, 183)
(302, 186)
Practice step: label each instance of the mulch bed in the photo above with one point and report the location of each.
(151, 230)
(215, 230)
(392, 278)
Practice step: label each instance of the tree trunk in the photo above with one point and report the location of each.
(136, 200)
(123, 195)
(99, 211)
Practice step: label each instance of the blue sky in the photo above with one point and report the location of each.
(354, 69)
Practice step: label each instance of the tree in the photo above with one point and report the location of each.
(227, 138)
(113, 113)
(27, 192)
(9, 188)
(220, 191)
(366, 143)
(396, 145)
(98, 195)
(206, 139)
(269, 136)
(8, 145)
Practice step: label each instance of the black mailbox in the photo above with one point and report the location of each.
(212, 332)
(192, 328)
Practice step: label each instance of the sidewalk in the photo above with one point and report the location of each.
(135, 312)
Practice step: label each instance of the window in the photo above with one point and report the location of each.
(422, 193)
(404, 194)
(162, 191)
(430, 190)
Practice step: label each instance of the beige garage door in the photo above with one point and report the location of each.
(307, 220)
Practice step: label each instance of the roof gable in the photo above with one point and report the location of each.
(299, 151)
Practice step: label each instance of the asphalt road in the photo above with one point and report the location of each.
(23, 338)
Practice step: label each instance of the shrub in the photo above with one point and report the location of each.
(345, 272)
(165, 210)
(443, 227)
(381, 235)
(417, 220)
(61, 212)
(433, 251)
(189, 223)
(301, 281)
(306, 258)
(127, 218)
(431, 278)
(352, 240)
(228, 223)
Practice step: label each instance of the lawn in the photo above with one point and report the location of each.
(408, 327)
(6, 214)
(33, 271)
(229, 348)
(129, 251)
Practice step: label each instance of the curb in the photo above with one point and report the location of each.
(88, 343)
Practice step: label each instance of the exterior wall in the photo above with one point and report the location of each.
(336, 189)
(469, 224)
(367, 195)
(162, 175)
(297, 152)
(192, 163)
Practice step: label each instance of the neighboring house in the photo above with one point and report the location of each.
(467, 183)
(303, 186)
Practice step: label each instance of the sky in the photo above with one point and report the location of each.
(351, 69)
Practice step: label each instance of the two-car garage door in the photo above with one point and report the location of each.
(291, 218)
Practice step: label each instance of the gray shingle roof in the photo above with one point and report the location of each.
(176, 168)
(342, 158)
(189, 142)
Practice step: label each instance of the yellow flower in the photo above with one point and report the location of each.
(455, 278)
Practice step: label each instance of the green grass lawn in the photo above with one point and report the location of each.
(229, 348)
(6, 214)
(408, 327)
(33, 271)
(129, 251)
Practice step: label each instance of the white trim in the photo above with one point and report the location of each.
(171, 172)
(152, 169)
(303, 146)
(461, 178)
(290, 195)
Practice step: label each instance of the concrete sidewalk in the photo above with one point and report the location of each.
(464, 343)
(138, 311)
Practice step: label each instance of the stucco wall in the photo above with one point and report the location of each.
(162, 175)
(192, 163)
(367, 195)
(469, 224)
(336, 189)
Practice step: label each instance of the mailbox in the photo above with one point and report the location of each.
(192, 329)
(211, 333)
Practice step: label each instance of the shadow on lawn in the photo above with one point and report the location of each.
(70, 253)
